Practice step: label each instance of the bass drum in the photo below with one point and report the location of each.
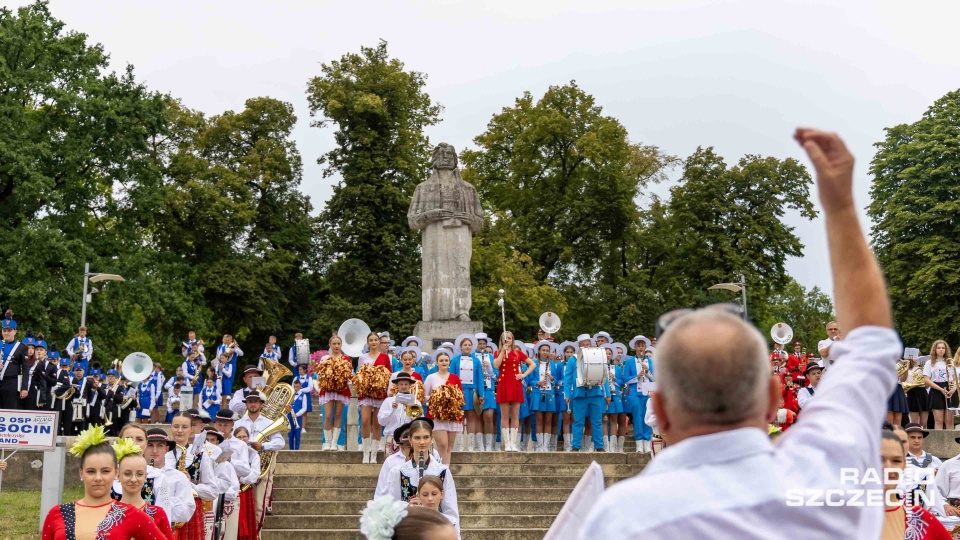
(591, 367)
(303, 351)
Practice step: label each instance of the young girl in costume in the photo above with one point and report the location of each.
(333, 400)
(133, 477)
(370, 403)
(404, 479)
(510, 388)
(444, 395)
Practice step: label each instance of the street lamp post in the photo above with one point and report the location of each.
(740, 287)
(92, 277)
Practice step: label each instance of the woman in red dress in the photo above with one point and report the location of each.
(445, 430)
(370, 405)
(510, 388)
(96, 516)
(133, 475)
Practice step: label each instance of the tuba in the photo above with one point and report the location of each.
(781, 333)
(279, 397)
(550, 322)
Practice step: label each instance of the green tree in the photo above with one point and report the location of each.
(915, 207)
(370, 257)
(806, 311)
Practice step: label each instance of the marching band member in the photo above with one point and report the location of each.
(298, 409)
(510, 388)
(81, 392)
(230, 348)
(812, 373)
(95, 397)
(903, 520)
(307, 387)
(794, 361)
(248, 527)
(13, 387)
(789, 394)
(210, 395)
(370, 400)
(409, 356)
(392, 414)
(48, 370)
(271, 350)
(96, 512)
(133, 478)
(488, 414)
(292, 351)
(164, 486)
(335, 400)
(542, 397)
(446, 427)
(237, 404)
(467, 367)
(61, 401)
(173, 403)
(638, 369)
(611, 417)
(254, 424)
(246, 464)
(112, 399)
(145, 401)
(229, 481)
(936, 377)
(403, 480)
(191, 343)
(36, 383)
(568, 350)
(193, 374)
(193, 458)
(585, 402)
(158, 382)
(601, 338)
(80, 348)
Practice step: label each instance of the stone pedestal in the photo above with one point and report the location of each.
(434, 333)
(353, 425)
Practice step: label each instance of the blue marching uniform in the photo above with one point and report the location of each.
(468, 366)
(544, 399)
(635, 400)
(586, 402)
(190, 370)
(558, 400)
(616, 382)
(489, 385)
(299, 407)
(305, 386)
(145, 400)
(210, 394)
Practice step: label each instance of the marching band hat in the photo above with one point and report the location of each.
(213, 430)
(633, 342)
(403, 376)
(63, 361)
(29, 341)
(412, 339)
(398, 433)
(41, 344)
(252, 368)
(464, 337)
(414, 350)
(913, 427)
(584, 337)
(113, 372)
(9, 324)
(797, 344)
(812, 366)
(194, 414)
(447, 344)
(53, 354)
(563, 346)
(157, 434)
(493, 346)
(253, 394)
(621, 347)
(77, 366)
(604, 334)
(481, 335)
(541, 343)
(226, 415)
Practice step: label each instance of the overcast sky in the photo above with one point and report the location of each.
(736, 75)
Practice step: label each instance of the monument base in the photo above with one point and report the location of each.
(434, 333)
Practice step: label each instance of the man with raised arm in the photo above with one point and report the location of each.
(720, 476)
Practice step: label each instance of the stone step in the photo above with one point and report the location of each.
(471, 508)
(366, 482)
(492, 493)
(480, 458)
(352, 522)
(340, 534)
(511, 469)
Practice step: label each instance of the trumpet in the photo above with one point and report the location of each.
(414, 411)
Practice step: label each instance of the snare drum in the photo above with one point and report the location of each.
(591, 367)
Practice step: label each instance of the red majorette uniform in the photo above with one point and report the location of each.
(434, 381)
(790, 399)
(159, 517)
(366, 359)
(122, 522)
(509, 389)
(913, 522)
(342, 396)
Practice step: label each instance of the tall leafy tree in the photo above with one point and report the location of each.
(805, 310)
(370, 257)
(915, 208)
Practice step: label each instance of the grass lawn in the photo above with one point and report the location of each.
(20, 512)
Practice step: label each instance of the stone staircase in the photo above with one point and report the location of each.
(502, 496)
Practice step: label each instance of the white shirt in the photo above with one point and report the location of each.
(236, 403)
(275, 442)
(448, 505)
(948, 478)
(392, 418)
(805, 394)
(393, 461)
(173, 492)
(937, 371)
(736, 484)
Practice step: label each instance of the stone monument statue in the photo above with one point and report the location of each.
(447, 211)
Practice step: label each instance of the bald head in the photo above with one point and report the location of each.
(712, 370)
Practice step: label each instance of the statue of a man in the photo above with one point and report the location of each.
(447, 211)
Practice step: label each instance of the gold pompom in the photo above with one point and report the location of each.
(371, 382)
(333, 375)
(446, 403)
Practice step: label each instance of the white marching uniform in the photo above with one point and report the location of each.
(391, 418)
(392, 461)
(274, 442)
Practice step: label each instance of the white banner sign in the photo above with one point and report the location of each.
(28, 430)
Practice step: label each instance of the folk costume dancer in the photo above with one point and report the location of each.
(586, 402)
(193, 457)
(80, 349)
(468, 368)
(510, 388)
(13, 387)
(229, 482)
(637, 370)
(370, 405)
(247, 528)
(254, 424)
(404, 479)
(165, 486)
(230, 348)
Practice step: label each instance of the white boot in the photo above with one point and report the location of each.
(505, 439)
(639, 445)
(327, 439)
(470, 440)
(458, 445)
(510, 434)
(620, 441)
(647, 446)
(478, 442)
(488, 440)
(365, 447)
(382, 447)
(334, 437)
